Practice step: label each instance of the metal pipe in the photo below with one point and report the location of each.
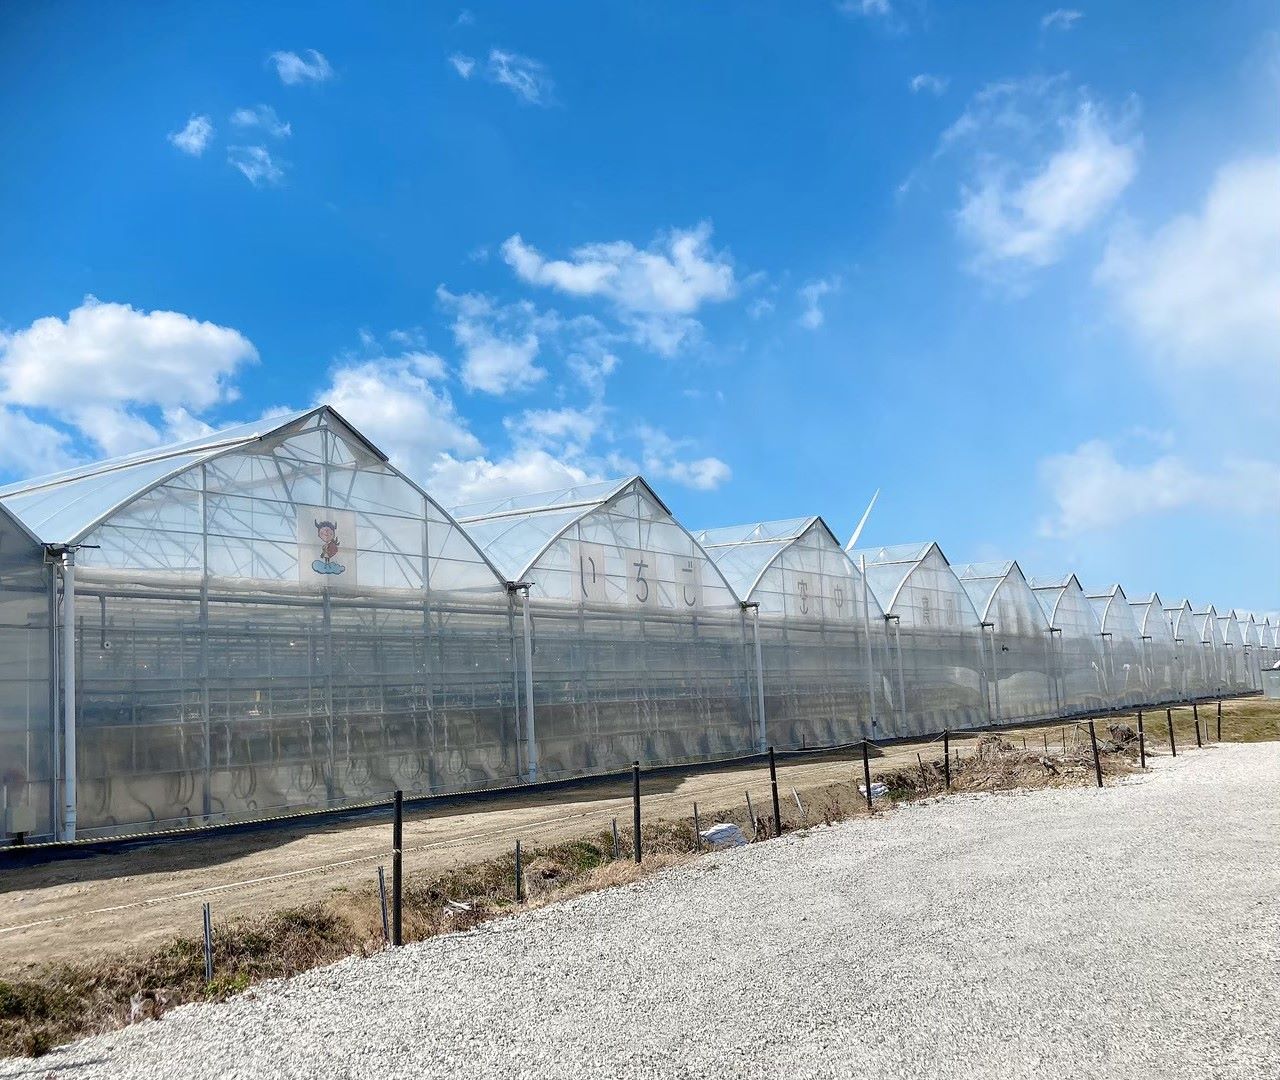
(866, 629)
(773, 783)
(69, 694)
(761, 733)
(530, 733)
(902, 684)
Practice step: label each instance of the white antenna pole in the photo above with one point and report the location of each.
(853, 540)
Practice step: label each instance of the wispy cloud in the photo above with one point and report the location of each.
(811, 295)
(257, 165)
(523, 76)
(263, 118)
(870, 9)
(499, 343)
(194, 137)
(929, 84)
(294, 69)
(1061, 19)
(463, 65)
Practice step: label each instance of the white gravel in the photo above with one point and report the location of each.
(1131, 932)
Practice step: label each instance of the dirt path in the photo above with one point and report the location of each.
(75, 909)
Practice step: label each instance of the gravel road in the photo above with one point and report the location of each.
(1131, 932)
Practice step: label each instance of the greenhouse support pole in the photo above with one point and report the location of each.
(69, 694)
(995, 669)
(531, 754)
(866, 629)
(755, 635)
(902, 684)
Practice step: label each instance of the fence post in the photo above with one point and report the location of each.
(1046, 743)
(1097, 762)
(1195, 715)
(1198, 742)
(635, 805)
(1219, 719)
(617, 851)
(1173, 746)
(773, 784)
(382, 901)
(397, 871)
(866, 774)
(751, 813)
(1142, 741)
(519, 876)
(697, 827)
(804, 817)
(946, 757)
(208, 945)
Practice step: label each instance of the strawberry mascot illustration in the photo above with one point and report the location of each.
(327, 531)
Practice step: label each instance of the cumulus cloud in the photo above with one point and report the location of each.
(1093, 489)
(664, 459)
(262, 118)
(929, 84)
(1044, 165)
(1061, 19)
(194, 137)
(676, 275)
(256, 164)
(459, 482)
(811, 294)
(294, 69)
(463, 65)
(105, 362)
(523, 76)
(1203, 290)
(31, 448)
(566, 430)
(499, 343)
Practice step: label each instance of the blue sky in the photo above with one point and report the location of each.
(1016, 266)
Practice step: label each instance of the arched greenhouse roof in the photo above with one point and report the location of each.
(982, 581)
(1115, 613)
(890, 569)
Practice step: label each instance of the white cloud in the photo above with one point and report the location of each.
(294, 69)
(256, 163)
(932, 84)
(1045, 166)
(104, 362)
(456, 482)
(1204, 289)
(1093, 490)
(500, 344)
(523, 76)
(394, 402)
(676, 275)
(872, 9)
(567, 430)
(463, 65)
(31, 448)
(262, 117)
(1061, 19)
(662, 460)
(465, 18)
(811, 295)
(193, 138)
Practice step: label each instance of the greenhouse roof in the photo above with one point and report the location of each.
(888, 568)
(744, 552)
(983, 580)
(63, 507)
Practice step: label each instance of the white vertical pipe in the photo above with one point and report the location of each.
(866, 629)
(531, 737)
(761, 730)
(902, 683)
(69, 695)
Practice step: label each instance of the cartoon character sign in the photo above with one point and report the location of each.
(328, 563)
(327, 546)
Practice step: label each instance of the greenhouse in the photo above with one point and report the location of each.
(273, 618)
(935, 636)
(1020, 680)
(638, 649)
(1121, 647)
(1077, 644)
(821, 632)
(1159, 651)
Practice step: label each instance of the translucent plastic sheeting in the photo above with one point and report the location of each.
(1020, 678)
(1160, 654)
(1235, 658)
(1216, 667)
(1121, 647)
(1077, 644)
(936, 640)
(1197, 663)
(823, 644)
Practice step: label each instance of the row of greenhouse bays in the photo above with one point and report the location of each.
(216, 681)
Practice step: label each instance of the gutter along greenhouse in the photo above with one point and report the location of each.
(274, 618)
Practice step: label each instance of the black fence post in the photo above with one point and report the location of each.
(1173, 746)
(617, 850)
(1142, 741)
(208, 944)
(1097, 762)
(946, 757)
(382, 901)
(1198, 742)
(519, 876)
(635, 805)
(397, 871)
(697, 827)
(1195, 715)
(866, 773)
(773, 783)
(1219, 719)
